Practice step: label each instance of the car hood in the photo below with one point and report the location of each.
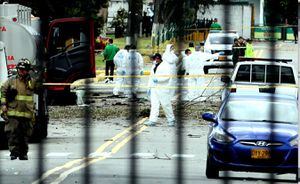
(243, 130)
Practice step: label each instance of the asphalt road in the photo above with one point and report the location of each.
(64, 157)
(110, 156)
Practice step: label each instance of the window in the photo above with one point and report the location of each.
(68, 36)
(272, 74)
(258, 73)
(287, 75)
(243, 74)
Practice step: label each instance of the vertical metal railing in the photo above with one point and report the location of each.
(179, 172)
(133, 166)
(41, 55)
(87, 114)
(298, 66)
(226, 22)
(133, 30)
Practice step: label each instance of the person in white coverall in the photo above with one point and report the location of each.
(194, 66)
(119, 61)
(134, 65)
(162, 87)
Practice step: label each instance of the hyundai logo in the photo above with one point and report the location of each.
(261, 143)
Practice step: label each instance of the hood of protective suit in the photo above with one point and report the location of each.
(169, 55)
(168, 48)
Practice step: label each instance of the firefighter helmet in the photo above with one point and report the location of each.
(24, 64)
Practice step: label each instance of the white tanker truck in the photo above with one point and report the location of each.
(62, 56)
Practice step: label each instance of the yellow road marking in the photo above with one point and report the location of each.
(115, 149)
(99, 150)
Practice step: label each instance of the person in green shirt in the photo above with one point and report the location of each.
(215, 25)
(109, 53)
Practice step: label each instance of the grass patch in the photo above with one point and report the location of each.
(144, 47)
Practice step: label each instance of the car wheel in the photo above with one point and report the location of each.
(211, 170)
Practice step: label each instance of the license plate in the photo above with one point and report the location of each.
(260, 154)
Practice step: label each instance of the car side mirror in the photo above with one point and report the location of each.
(202, 43)
(209, 117)
(225, 79)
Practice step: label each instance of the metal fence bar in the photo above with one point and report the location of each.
(272, 55)
(298, 14)
(133, 27)
(226, 19)
(87, 117)
(180, 176)
(86, 147)
(41, 54)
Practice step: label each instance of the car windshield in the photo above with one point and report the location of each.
(259, 110)
(221, 40)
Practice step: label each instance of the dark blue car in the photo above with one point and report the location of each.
(253, 132)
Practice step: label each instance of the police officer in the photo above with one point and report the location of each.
(17, 109)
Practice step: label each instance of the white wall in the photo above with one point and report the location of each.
(238, 17)
(256, 12)
(114, 6)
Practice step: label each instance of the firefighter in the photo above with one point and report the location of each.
(17, 109)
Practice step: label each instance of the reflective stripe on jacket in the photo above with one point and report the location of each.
(22, 104)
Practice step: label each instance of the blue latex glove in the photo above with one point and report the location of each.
(222, 53)
(149, 92)
(155, 80)
(142, 72)
(123, 72)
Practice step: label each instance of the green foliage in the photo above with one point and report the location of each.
(174, 11)
(278, 11)
(119, 22)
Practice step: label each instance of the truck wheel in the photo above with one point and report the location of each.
(211, 170)
(205, 69)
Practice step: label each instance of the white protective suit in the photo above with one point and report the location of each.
(194, 66)
(119, 61)
(134, 65)
(162, 88)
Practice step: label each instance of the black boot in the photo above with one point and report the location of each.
(13, 157)
(23, 157)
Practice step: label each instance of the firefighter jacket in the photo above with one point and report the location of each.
(17, 95)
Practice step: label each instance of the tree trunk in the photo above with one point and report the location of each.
(134, 19)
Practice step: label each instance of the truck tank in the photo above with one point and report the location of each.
(20, 41)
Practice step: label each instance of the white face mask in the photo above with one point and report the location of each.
(172, 51)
